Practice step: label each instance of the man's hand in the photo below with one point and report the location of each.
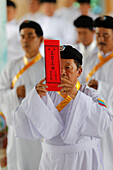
(41, 88)
(68, 88)
(93, 84)
(20, 91)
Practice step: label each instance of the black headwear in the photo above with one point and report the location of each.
(11, 3)
(84, 22)
(104, 21)
(54, 1)
(68, 52)
(84, 1)
(32, 24)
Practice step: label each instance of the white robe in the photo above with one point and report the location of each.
(31, 16)
(13, 41)
(22, 154)
(105, 87)
(71, 137)
(54, 27)
(90, 58)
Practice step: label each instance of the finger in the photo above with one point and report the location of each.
(66, 81)
(41, 82)
(42, 85)
(42, 94)
(42, 90)
(65, 85)
(65, 89)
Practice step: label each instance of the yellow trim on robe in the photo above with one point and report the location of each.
(33, 61)
(26, 61)
(100, 64)
(64, 103)
(67, 98)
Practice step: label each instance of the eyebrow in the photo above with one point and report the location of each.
(29, 33)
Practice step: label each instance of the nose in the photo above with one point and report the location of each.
(63, 71)
(101, 39)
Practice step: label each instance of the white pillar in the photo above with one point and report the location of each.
(3, 41)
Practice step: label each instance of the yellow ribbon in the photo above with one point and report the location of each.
(29, 64)
(67, 98)
(100, 64)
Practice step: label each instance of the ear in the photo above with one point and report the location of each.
(41, 39)
(79, 72)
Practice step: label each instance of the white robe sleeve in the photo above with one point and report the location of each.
(8, 96)
(87, 118)
(36, 118)
(106, 89)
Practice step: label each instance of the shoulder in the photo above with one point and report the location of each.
(10, 67)
(94, 94)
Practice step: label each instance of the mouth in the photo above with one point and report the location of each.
(101, 44)
(26, 46)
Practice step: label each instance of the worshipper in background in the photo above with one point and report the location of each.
(53, 26)
(87, 44)
(34, 11)
(70, 132)
(12, 27)
(71, 13)
(16, 81)
(68, 11)
(100, 78)
(85, 8)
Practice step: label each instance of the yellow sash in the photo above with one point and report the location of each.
(28, 64)
(100, 64)
(67, 99)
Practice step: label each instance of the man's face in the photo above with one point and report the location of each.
(30, 41)
(48, 8)
(104, 37)
(69, 70)
(11, 12)
(84, 8)
(69, 2)
(85, 36)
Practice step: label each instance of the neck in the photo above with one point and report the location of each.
(105, 52)
(31, 55)
(68, 5)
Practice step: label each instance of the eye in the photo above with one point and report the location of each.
(68, 67)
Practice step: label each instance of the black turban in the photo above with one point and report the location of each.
(104, 21)
(68, 52)
(84, 22)
(32, 24)
(11, 3)
(54, 1)
(84, 1)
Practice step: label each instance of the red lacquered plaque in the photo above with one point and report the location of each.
(52, 64)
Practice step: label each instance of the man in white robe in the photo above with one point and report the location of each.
(13, 39)
(34, 11)
(54, 27)
(70, 13)
(100, 78)
(87, 45)
(70, 126)
(16, 81)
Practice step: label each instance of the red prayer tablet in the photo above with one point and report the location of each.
(52, 64)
